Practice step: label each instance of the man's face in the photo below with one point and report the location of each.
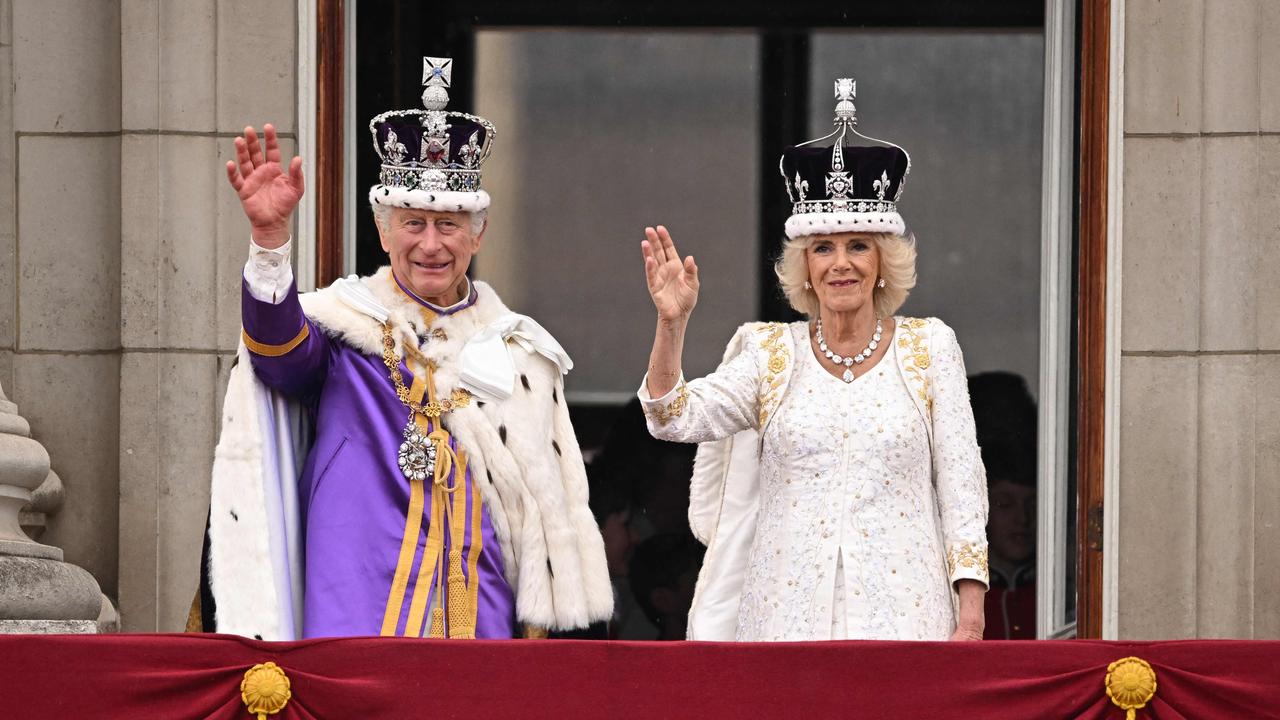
(1011, 524)
(430, 251)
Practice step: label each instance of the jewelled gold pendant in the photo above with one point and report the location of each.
(417, 455)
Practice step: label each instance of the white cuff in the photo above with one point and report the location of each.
(660, 411)
(268, 273)
(643, 392)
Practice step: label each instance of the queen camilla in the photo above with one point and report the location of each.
(838, 486)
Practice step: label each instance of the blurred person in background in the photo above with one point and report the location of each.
(1005, 416)
(664, 571)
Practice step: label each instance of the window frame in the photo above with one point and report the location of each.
(1076, 378)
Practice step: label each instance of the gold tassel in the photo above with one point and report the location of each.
(460, 623)
(437, 623)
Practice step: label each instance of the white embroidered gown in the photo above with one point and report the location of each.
(849, 541)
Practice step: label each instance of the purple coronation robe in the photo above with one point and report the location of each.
(352, 495)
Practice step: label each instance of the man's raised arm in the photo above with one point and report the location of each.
(289, 354)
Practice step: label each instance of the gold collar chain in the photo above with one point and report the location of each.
(433, 408)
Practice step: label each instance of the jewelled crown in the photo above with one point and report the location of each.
(431, 158)
(844, 187)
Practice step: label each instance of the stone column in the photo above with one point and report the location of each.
(1200, 345)
(60, 257)
(38, 592)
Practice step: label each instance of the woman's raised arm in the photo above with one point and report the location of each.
(673, 285)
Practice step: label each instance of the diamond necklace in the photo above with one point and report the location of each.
(847, 362)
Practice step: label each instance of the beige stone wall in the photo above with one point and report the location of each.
(195, 73)
(1199, 485)
(120, 256)
(8, 225)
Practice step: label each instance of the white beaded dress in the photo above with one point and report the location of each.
(850, 540)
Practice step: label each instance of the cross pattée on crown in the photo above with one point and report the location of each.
(846, 89)
(437, 76)
(437, 71)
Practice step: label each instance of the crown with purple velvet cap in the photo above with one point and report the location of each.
(844, 187)
(431, 158)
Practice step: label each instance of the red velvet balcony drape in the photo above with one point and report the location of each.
(198, 676)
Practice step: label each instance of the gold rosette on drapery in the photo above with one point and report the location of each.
(1130, 683)
(265, 690)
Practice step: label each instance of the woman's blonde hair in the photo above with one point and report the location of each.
(897, 268)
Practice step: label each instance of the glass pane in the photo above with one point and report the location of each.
(967, 107)
(599, 134)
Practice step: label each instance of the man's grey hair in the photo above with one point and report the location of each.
(382, 216)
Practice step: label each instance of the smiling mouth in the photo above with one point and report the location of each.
(431, 267)
(842, 283)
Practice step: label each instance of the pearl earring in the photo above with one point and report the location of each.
(881, 283)
(807, 286)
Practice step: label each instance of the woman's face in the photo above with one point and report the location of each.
(843, 270)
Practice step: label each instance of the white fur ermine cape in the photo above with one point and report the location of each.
(522, 451)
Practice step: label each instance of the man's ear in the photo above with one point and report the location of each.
(382, 232)
(475, 244)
